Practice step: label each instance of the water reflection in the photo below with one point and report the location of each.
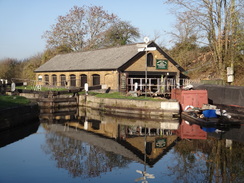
(211, 161)
(128, 133)
(117, 141)
(89, 144)
(113, 141)
(69, 148)
(12, 135)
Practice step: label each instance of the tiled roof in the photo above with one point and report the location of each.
(102, 59)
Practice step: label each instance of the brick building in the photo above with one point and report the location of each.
(118, 68)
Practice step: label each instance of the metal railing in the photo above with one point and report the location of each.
(158, 85)
(38, 85)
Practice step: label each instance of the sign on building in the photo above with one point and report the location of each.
(160, 142)
(161, 64)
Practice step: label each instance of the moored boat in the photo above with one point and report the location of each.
(207, 118)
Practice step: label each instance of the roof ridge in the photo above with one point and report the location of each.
(106, 48)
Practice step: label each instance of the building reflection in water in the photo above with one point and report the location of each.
(114, 141)
(88, 143)
(143, 141)
(130, 132)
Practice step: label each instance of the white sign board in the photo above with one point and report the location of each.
(230, 75)
(147, 49)
(141, 45)
(230, 78)
(230, 71)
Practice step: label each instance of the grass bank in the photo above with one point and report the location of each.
(7, 101)
(43, 88)
(118, 95)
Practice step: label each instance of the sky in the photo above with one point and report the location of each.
(23, 22)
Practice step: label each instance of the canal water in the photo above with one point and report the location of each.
(84, 145)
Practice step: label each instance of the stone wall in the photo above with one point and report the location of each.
(13, 117)
(108, 78)
(137, 107)
(141, 108)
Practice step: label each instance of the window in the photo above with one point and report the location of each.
(95, 79)
(72, 80)
(46, 79)
(63, 79)
(83, 79)
(54, 79)
(149, 60)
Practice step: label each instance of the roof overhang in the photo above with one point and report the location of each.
(76, 70)
(142, 73)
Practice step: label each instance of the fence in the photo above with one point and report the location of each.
(157, 85)
(37, 85)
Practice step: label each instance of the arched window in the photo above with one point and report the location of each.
(63, 80)
(72, 80)
(54, 79)
(149, 60)
(83, 79)
(95, 79)
(46, 79)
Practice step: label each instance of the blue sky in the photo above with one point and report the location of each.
(23, 22)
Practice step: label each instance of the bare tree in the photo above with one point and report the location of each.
(97, 22)
(184, 29)
(217, 21)
(80, 29)
(184, 37)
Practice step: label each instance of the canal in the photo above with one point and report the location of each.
(83, 145)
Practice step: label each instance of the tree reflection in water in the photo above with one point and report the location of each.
(202, 158)
(79, 158)
(208, 160)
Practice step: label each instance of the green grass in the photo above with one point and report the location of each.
(116, 95)
(119, 95)
(43, 88)
(12, 101)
